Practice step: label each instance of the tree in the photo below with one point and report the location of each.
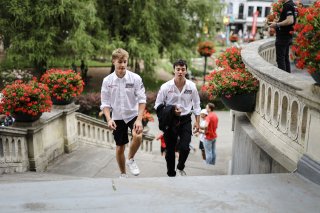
(149, 29)
(41, 31)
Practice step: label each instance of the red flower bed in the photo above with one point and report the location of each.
(232, 79)
(63, 84)
(231, 58)
(306, 44)
(30, 98)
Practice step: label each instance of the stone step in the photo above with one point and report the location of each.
(243, 193)
(95, 162)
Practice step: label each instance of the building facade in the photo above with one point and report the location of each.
(241, 12)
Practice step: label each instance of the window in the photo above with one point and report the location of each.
(250, 11)
(266, 11)
(241, 7)
(260, 11)
(230, 8)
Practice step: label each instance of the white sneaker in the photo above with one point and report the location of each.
(123, 176)
(181, 172)
(133, 167)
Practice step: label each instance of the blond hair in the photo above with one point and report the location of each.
(120, 54)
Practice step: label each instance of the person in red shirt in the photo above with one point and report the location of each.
(210, 128)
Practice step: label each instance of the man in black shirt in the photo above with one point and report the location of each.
(283, 37)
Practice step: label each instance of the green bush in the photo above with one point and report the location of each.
(89, 103)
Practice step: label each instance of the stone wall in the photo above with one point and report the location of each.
(251, 151)
(287, 111)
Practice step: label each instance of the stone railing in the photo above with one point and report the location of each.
(96, 132)
(13, 150)
(33, 145)
(287, 111)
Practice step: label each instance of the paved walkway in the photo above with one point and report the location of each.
(97, 162)
(240, 193)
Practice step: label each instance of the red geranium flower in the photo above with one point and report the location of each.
(63, 84)
(306, 44)
(32, 98)
(206, 48)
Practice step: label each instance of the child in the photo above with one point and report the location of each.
(203, 115)
(163, 144)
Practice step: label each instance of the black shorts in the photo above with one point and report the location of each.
(121, 133)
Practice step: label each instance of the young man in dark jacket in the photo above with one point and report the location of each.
(183, 95)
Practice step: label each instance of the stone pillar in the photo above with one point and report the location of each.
(70, 126)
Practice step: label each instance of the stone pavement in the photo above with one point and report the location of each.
(239, 193)
(97, 162)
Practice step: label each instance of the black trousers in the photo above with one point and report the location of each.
(282, 53)
(178, 138)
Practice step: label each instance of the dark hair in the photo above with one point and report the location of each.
(211, 106)
(180, 62)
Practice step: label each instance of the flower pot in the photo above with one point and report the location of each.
(24, 117)
(316, 76)
(61, 101)
(240, 102)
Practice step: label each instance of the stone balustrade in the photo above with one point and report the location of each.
(96, 132)
(33, 145)
(287, 111)
(13, 150)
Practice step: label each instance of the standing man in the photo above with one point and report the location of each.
(182, 94)
(210, 137)
(123, 93)
(283, 36)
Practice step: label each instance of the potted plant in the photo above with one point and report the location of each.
(306, 42)
(236, 88)
(25, 101)
(230, 58)
(206, 48)
(232, 82)
(64, 85)
(234, 38)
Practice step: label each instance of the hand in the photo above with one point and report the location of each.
(177, 111)
(137, 126)
(112, 124)
(196, 127)
(273, 24)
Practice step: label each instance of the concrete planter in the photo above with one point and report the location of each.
(240, 102)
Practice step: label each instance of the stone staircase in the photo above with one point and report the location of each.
(86, 181)
(238, 193)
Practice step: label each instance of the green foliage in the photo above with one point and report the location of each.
(151, 28)
(41, 31)
(151, 83)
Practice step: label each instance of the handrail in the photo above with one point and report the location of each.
(96, 132)
(287, 108)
